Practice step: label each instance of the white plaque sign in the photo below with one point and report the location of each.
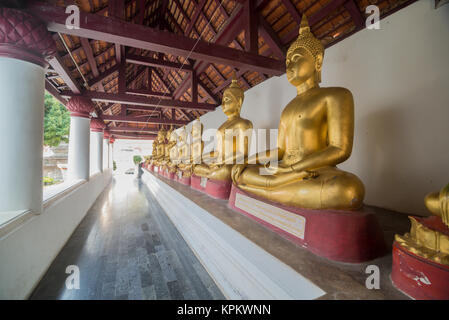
(283, 219)
(180, 174)
(156, 169)
(203, 182)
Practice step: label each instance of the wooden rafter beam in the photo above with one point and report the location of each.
(147, 120)
(128, 34)
(103, 75)
(271, 38)
(355, 13)
(148, 92)
(54, 92)
(194, 88)
(90, 56)
(134, 136)
(143, 101)
(132, 129)
(198, 8)
(151, 62)
(251, 26)
(229, 31)
(291, 8)
(313, 19)
(60, 68)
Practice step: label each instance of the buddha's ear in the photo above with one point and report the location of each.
(319, 62)
(318, 65)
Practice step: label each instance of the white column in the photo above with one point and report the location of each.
(105, 153)
(21, 135)
(96, 148)
(111, 155)
(78, 163)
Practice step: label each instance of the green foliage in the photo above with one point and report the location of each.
(114, 165)
(56, 122)
(48, 181)
(137, 159)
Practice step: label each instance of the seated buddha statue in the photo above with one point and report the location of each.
(169, 143)
(232, 138)
(190, 154)
(184, 149)
(153, 152)
(160, 153)
(173, 153)
(430, 240)
(315, 134)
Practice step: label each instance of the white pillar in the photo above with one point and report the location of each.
(105, 153)
(21, 135)
(79, 139)
(96, 140)
(22, 90)
(111, 154)
(78, 163)
(96, 145)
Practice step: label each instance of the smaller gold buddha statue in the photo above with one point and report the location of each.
(191, 153)
(173, 153)
(232, 138)
(153, 152)
(160, 153)
(427, 241)
(169, 143)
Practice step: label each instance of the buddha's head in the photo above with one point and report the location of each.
(182, 134)
(197, 129)
(161, 135)
(304, 57)
(232, 98)
(173, 138)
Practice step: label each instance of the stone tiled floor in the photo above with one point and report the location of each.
(127, 248)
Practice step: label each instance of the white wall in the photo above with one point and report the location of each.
(399, 77)
(27, 252)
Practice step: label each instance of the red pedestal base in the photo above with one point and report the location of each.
(346, 236)
(418, 277)
(151, 167)
(218, 189)
(185, 181)
(195, 183)
(170, 175)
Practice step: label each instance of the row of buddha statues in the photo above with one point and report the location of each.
(315, 134)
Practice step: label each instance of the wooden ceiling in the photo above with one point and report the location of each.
(152, 63)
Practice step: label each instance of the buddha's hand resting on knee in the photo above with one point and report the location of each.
(282, 168)
(279, 168)
(237, 171)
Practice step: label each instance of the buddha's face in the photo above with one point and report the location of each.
(301, 66)
(230, 104)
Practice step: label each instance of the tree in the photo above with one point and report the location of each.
(137, 159)
(56, 122)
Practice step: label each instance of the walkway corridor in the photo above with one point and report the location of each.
(127, 248)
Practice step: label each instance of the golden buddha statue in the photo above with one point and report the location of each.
(173, 152)
(184, 165)
(160, 152)
(427, 241)
(232, 138)
(315, 134)
(169, 143)
(153, 152)
(191, 153)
